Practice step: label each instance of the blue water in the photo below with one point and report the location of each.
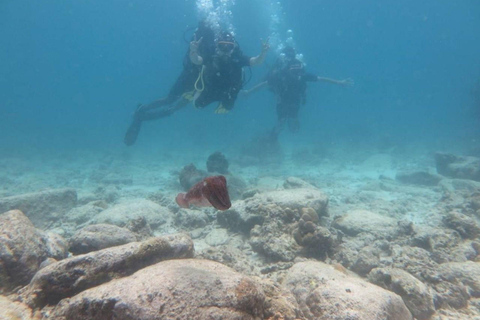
(72, 72)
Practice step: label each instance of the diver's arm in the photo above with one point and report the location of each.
(259, 86)
(345, 83)
(195, 58)
(254, 61)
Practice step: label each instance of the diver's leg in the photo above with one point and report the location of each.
(181, 85)
(144, 115)
(164, 112)
(279, 126)
(281, 120)
(158, 103)
(133, 130)
(293, 123)
(204, 99)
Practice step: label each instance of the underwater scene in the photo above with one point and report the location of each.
(240, 159)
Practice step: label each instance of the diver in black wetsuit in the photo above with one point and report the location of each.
(213, 71)
(288, 81)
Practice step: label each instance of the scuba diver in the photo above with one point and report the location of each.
(288, 81)
(213, 71)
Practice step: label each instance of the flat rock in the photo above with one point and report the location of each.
(417, 296)
(175, 289)
(42, 208)
(23, 248)
(324, 293)
(122, 213)
(357, 221)
(72, 275)
(99, 236)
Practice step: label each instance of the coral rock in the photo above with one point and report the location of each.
(325, 293)
(175, 289)
(23, 249)
(73, 275)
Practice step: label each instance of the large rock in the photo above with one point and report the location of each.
(42, 208)
(357, 221)
(324, 293)
(23, 248)
(14, 310)
(99, 236)
(122, 213)
(284, 205)
(73, 275)
(416, 295)
(176, 289)
(458, 167)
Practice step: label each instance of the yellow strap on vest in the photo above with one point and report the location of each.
(193, 95)
(200, 79)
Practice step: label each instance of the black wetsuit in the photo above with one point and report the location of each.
(289, 82)
(185, 83)
(223, 77)
(222, 80)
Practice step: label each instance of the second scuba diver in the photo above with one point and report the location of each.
(213, 71)
(288, 81)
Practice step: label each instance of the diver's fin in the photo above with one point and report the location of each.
(132, 132)
(221, 109)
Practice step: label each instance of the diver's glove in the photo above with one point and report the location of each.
(221, 109)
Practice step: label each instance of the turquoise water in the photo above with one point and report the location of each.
(72, 72)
